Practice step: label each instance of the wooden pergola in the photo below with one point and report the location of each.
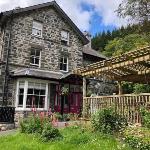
(133, 66)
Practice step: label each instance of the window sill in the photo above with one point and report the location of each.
(64, 71)
(65, 45)
(30, 109)
(34, 65)
(37, 36)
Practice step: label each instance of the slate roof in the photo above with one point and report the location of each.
(42, 74)
(92, 52)
(29, 72)
(4, 15)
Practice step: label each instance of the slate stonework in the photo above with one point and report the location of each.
(22, 40)
(50, 43)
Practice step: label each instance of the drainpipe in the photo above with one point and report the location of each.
(6, 78)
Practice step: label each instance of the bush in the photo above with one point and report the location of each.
(145, 118)
(141, 88)
(108, 121)
(38, 126)
(31, 125)
(50, 133)
(138, 137)
(58, 116)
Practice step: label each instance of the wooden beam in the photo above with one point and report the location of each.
(118, 65)
(135, 78)
(144, 71)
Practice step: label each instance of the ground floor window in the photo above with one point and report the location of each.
(21, 93)
(36, 95)
(31, 94)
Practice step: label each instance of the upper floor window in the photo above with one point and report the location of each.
(35, 57)
(64, 64)
(64, 37)
(37, 28)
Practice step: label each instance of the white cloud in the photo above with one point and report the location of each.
(74, 9)
(106, 9)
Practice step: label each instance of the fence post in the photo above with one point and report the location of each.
(84, 95)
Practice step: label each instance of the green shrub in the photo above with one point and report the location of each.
(108, 121)
(31, 125)
(58, 116)
(141, 88)
(138, 137)
(50, 133)
(145, 118)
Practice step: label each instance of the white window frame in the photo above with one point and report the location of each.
(63, 38)
(36, 28)
(33, 64)
(64, 57)
(25, 95)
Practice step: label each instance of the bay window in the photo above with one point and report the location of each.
(36, 95)
(21, 93)
(31, 95)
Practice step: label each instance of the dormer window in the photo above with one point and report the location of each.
(64, 64)
(37, 28)
(64, 37)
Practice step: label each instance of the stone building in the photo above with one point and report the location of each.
(39, 48)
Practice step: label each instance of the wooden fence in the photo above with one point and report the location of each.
(127, 105)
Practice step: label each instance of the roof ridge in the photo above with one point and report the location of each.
(59, 10)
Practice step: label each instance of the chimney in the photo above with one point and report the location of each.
(88, 36)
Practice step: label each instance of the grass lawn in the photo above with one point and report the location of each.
(73, 139)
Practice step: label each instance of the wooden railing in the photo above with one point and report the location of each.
(127, 105)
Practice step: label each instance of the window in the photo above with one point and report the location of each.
(21, 94)
(31, 94)
(64, 37)
(35, 57)
(37, 28)
(64, 64)
(36, 95)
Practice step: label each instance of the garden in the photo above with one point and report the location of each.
(106, 130)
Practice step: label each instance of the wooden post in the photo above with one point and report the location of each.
(120, 88)
(84, 95)
(84, 87)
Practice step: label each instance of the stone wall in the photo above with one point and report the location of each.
(50, 43)
(6, 126)
(100, 88)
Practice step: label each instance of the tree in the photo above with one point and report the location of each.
(137, 10)
(121, 45)
(111, 47)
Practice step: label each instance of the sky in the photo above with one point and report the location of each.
(93, 16)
